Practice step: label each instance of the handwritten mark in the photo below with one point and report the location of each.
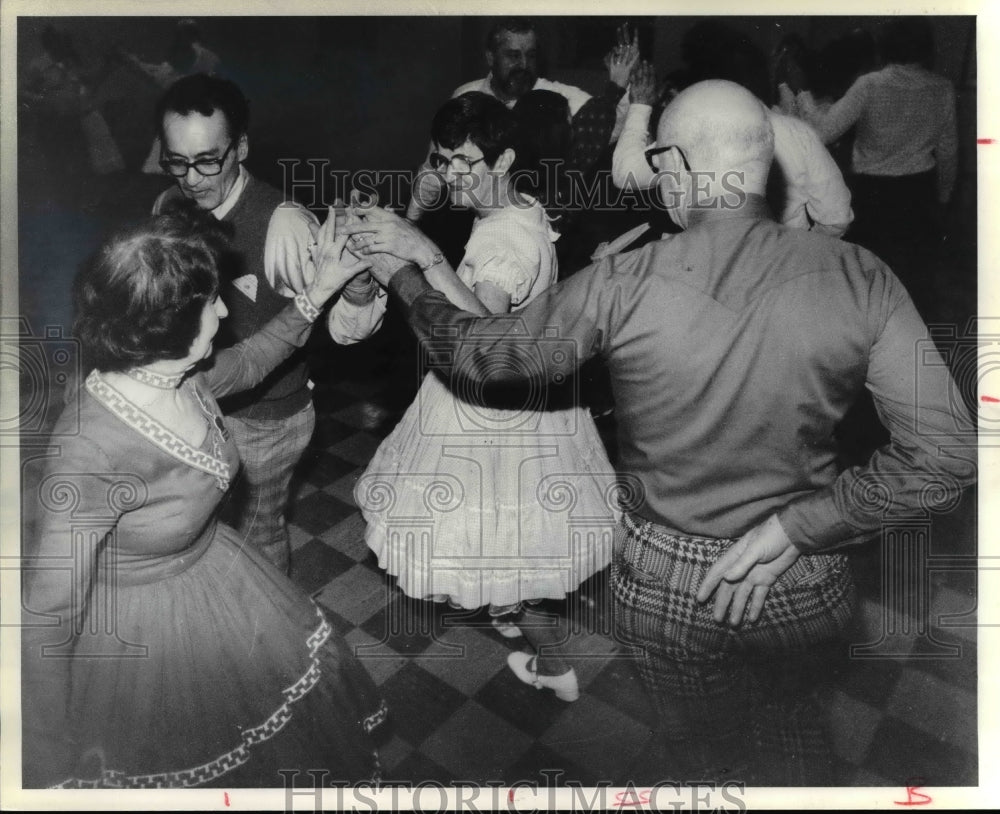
(631, 798)
(912, 794)
(225, 796)
(985, 141)
(510, 795)
(989, 399)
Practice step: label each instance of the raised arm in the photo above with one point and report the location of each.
(814, 180)
(841, 116)
(629, 169)
(245, 364)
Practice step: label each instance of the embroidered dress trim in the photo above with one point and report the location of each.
(156, 432)
(157, 380)
(207, 772)
(306, 308)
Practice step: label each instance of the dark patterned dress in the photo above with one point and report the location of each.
(157, 650)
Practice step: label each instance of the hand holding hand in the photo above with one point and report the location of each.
(289, 254)
(382, 231)
(746, 572)
(383, 265)
(335, 265)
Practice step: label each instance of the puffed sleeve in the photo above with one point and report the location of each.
(506, 256)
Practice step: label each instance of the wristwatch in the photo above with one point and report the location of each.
(437, 258)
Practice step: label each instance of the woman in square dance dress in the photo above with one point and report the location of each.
(502, 505)
(157, 652)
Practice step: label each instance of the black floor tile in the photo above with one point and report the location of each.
(418, 768)
(340, 624)
(960, 671)
(906, 756)
(322, 468)
(315, 564)
(843, 771)
(406, 625)
(869, 680)
(653, 764)
(619, 685)
(526, 707)
(420, 702)
(318, 511)
(546, 768)
(330, 431)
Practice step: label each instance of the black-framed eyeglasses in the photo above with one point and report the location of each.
(654, 151)
(178, 167)
(459, 163)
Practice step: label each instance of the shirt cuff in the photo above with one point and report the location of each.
(359, 293)
(638, 116)
(408, 284)
(813, 523)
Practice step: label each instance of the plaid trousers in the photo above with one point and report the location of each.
(269, 451)
(734, 703)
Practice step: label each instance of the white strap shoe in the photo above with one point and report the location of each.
(524, 666)
(505, 628)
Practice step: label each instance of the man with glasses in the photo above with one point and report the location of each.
(203, 123)
(735, 348)
(807, 187)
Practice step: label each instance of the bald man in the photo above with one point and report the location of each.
(734, 348)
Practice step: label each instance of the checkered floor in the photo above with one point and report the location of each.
(902, 711)
(902, 705)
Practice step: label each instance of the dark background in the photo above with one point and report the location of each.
(358, 92)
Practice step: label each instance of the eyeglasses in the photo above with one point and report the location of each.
(459, 163)
(178, 167)
(654, 151)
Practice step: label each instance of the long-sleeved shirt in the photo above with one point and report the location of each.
(906, 123)
(734, 349)
(813, 191)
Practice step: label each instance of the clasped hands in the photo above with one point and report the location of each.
(384, 240)
(358, 239)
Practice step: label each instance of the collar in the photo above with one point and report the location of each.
(753, 207)
(227, 205)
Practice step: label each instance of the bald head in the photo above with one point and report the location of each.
(721, 127)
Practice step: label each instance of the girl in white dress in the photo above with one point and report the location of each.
(498, 506)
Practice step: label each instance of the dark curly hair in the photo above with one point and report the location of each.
(140, 298)
(205, 94)
(476, 117)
